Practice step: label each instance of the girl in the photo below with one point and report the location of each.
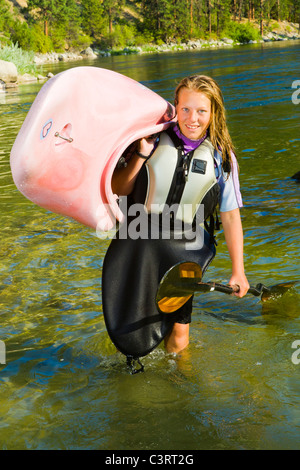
(201, 127)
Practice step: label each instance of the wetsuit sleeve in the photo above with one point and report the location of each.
(230, 195)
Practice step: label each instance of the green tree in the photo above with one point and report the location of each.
(200, 19)
(66, 27)
(155, 14)
(296, 12)
(182, 18)
(93, 19)
(60, 20)
(222, 15)
(167, 19)
(113, 9)
(6, 21)
(44, 10)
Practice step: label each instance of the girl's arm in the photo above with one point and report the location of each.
(233, 232)
(123, 178)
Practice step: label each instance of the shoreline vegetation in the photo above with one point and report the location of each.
(284, 32)
(36, 32)
(18, 66)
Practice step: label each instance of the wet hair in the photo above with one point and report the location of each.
(218, 131)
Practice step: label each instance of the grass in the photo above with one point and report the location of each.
(23, 60)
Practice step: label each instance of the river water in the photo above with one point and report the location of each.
(63, 385)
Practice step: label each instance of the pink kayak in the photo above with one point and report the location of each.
(73, 136)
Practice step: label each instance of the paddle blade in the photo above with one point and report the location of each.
(177, 286)
(171, 304)
(273, 292)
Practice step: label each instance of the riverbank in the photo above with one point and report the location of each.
(283, 32)
(274, 31)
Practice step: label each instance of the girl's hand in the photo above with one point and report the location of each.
(146, 145)
(240, 281)
(124, 178)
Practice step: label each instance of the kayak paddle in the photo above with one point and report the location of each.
(184, 279)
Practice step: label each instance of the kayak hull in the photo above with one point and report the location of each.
(77, 128)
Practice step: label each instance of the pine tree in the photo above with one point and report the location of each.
(44, 10)
(58, 12)
(112, 9)
(93, 18)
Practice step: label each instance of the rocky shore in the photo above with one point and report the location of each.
(9, 76)
(281, 35)
(50, 57)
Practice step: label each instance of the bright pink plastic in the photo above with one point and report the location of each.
(77, 128)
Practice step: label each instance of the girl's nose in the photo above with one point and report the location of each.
(193, 115)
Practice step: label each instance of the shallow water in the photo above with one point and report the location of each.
(236, 387)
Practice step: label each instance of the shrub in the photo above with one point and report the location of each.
(32, 38)
(23, 60)
(241, 32)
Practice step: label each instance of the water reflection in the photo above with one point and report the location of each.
(64, 385)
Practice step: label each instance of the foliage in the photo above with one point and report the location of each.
(73, 24)
(6, 20)
(92, 18)
(30, 38)
(23, 60)
(61, 24)
(241, 32)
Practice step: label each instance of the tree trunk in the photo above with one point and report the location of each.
(240, 10)
(218, 18)
(261, 18)
(109, 20)
(209, 16)
(157, 18)
(234, 10)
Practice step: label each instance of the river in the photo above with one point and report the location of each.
(64, 386)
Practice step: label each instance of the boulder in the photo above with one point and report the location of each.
(8, 72)
(26, 77)
(228, 40)
(88, 53)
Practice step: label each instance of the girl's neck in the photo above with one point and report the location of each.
(189, 144)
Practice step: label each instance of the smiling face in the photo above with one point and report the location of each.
(193, 113)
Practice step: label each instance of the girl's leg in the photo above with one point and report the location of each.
(178, 338)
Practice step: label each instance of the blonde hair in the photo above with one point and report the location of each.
(218, 131)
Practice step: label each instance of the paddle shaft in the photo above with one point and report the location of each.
(190, 286)
(232, 289)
